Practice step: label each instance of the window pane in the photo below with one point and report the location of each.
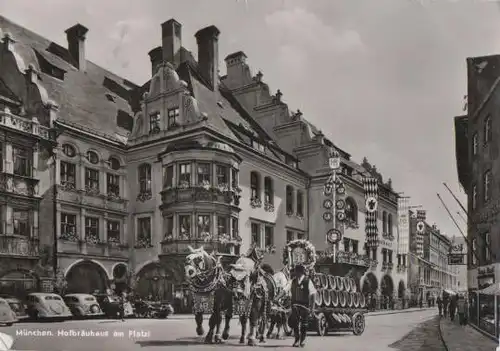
(184, 226)
(204, 174)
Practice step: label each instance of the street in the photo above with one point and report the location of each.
(400, 331)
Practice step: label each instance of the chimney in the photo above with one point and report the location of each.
(76, 44)
(208, 54)
(171, 33)
(156, 56)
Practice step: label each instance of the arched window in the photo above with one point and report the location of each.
(389, 224)
(289, 200)
(69, 150)
(145, 178)
(114, 163)
(351, 210)
(92, 157)
(384, 222)
(254, 185)
(268, 191)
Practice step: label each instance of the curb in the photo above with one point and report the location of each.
(440, 332)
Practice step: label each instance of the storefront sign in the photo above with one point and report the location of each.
(482, 271)
(456, 259)
(385, 243)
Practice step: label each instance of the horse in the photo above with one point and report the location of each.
(281, 305)
(206, 276)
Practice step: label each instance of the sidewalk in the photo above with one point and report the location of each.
(464, 338)
(375, 313)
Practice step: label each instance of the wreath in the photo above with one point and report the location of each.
(303, 244)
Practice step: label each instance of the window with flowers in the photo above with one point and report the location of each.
(355, 246)
(185, 174)
(269, 236)
(222, 175)
(91, 230)
(254, 185)
(144, 232)
(91, 180)
(234, 228)
(68, 226)
(203, 226)
(169, 227)
(68, 174)
(113, 231)
(184, 226)
(351, 210)
(203, 174)
(234, 178)
(301, 236)
(255, 230)
(21, 221)
(113, 184)
(268, 191)
(168, 181)
(289, 236)
(222, 226)
(145, 178)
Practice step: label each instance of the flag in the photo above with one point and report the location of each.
(421, 217)
(370, 186)
(403, 226)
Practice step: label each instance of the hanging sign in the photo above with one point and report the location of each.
(420, 227)
(334, 163)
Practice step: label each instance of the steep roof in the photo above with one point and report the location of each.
(94, 99)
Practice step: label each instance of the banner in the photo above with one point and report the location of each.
(403, 226)
(420, 229)
(370, 186)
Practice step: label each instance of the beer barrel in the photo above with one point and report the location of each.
(347, 284)
(331, 282)
(336, 317)
(354, 288)
(317, 280)
(355, 298)
(326, 297)
(362, 302)
(350, 299)
(324, 281)
(334, 298)
(342, 299)
(340, 283)
(318, 298)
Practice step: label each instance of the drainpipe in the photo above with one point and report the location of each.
(54, 216)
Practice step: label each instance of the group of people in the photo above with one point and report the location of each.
(450, 305)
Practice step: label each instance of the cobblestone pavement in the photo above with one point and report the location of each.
(425, 337)
(464, 338)
(148, 334)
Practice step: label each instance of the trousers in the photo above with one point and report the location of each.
(299, 321)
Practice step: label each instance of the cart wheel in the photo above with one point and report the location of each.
(321, 324)
(358, 323)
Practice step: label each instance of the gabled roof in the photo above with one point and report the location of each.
(81, 96)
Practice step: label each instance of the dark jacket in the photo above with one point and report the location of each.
(300, 292)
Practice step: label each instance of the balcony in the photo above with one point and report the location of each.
(68, 192)
(180, 246)
(188, 193)
(387, 266)
(71, 243)
(18, 246)
(30, 126)
(353, 258)
(19, 185)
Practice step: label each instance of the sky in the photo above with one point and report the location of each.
(382, 79)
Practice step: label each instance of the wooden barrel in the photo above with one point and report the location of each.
(317, 280)
(342, 299)
(326, 297)
(324, 281)
(334, 298)
(340, 283)
(355, 298)
(332, 284)
(318, 298)
(347, 284)
(354, 288)
(336, 318)
(350, 299)
(362, 302)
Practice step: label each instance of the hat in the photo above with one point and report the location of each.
(300, 268)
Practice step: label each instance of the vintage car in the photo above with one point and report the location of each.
(83, 305)
(110, 305)
(7, 316)
(16, 305)
(47, 306)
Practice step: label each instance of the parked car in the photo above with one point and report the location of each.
(110, 305)
(47, 306)
(16, 305)
(83, 305)
(7, 316)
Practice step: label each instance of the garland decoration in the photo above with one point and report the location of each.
(307, 246)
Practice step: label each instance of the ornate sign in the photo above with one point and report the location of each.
(334, 236)
(371, 204)
(420, 227)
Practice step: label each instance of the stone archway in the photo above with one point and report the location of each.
(401, 289)
(154, 281)
(387, 286)
(86, 277)
(19, 283)
(370, 284)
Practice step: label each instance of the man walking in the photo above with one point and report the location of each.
(303, 292)
(461, 309)
(440, 306)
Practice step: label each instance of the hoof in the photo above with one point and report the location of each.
(262, 341)
(200, 331)
(209, 340)
(279, 337)
(251, 342)
(225, 335)
(218, 339)
(269, 335)
(242, 340)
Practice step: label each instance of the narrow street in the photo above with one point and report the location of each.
(401, 331)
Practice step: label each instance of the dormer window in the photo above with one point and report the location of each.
(258, 146)
(173, 116)
(154, 123)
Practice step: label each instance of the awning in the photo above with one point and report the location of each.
(493, 289)
(449, 292)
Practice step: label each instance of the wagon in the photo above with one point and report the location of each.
(339, 306)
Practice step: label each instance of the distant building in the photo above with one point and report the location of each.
(478, 165)
(461, 270)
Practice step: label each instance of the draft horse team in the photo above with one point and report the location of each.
(261, 297)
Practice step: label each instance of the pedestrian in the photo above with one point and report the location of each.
(453, 307)
(461, 309)
(421, 302)
(122, 299)
(302, 291)
(440, 306)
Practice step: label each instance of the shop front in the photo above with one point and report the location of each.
(484, 304)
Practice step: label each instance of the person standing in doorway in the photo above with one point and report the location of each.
(302, 291)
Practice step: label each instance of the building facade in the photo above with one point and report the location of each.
(477, 148)
(189, 158)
